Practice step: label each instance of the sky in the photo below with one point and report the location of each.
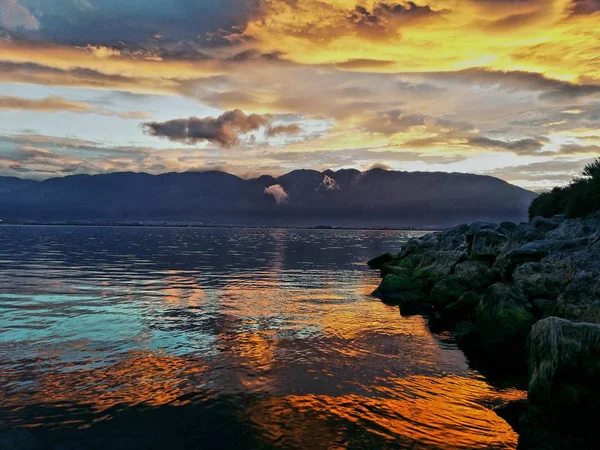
(508, 88)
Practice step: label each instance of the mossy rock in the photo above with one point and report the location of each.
(393, 268)
(380, 260)
(448, 290)
(461, 309)
(393, 283)
(465, 332)
(503, 320)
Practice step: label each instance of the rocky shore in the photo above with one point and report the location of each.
(516, 296)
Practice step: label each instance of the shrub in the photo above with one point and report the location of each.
(579, 199)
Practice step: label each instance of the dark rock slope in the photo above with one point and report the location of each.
(513, 293)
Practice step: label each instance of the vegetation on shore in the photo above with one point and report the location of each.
(578, 199)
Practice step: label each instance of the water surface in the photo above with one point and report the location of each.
(225, 338)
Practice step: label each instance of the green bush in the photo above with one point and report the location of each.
(578, 199)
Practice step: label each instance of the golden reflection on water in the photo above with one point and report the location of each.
(444, 413)
(142, 377)
(329, 364)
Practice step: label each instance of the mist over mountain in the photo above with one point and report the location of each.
(350, 198)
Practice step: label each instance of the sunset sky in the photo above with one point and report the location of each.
(509, 88)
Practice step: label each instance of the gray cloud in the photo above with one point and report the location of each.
(549, 89)
(223, 130)
(396, 121)
(58, 104)
(283, 129)
(385, 18)
(585, 7)
(525, 146)
(14, 16)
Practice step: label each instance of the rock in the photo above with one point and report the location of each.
(394, 283)
(564, 393)
(477, 274)
(476, 227)
(380, 260)
(393, 268)
(543, 307)
(440, 263)
(462, 309)
(541, 279)
(507, 228)
(412, 303)
(503, 321)
(447, 290)
(544, 224)
(487, 244)
(512, 412)
(466, 334)
(580, 300)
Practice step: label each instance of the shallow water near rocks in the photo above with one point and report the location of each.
(130, 337)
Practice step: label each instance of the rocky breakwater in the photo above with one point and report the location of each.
(515, 294)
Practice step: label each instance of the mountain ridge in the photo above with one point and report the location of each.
(303, 197)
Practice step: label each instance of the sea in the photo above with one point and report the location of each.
(186, 338)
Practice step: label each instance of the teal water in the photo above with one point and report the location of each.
(225, 338)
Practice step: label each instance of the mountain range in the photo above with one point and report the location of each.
(348, 198)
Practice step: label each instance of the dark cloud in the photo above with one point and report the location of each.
(569, 149)
(385, 18)
(380, 166)
(363, 64)
(223, 130)
(585, 7)
(135, 23)
(396, 121)
(545, 174)
(550, 89)
(60, 104)
(514, 21)
(525, 146)
(283, 129)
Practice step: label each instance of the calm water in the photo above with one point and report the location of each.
(225, 338)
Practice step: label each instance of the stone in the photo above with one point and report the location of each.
(461, 309)
(563, 392)
(512, 412)
(465, 332)
(541, 279)
(380, 260)
(440, 263)
(393, 268)
(503, 320)
(544, 307)
(393, 283)
(487, 244)
(544, 224)
(447, 290)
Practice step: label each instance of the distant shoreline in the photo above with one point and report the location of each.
(197, 225)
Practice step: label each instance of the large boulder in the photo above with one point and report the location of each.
(564, 392)
(580, 300)
(477, 274)
(380, 260)
(503, 320)
(546, 279)
(439, 263)
(448, 290)
(546, 225)
(487, 244)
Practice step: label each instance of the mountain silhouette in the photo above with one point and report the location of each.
(375, 198)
